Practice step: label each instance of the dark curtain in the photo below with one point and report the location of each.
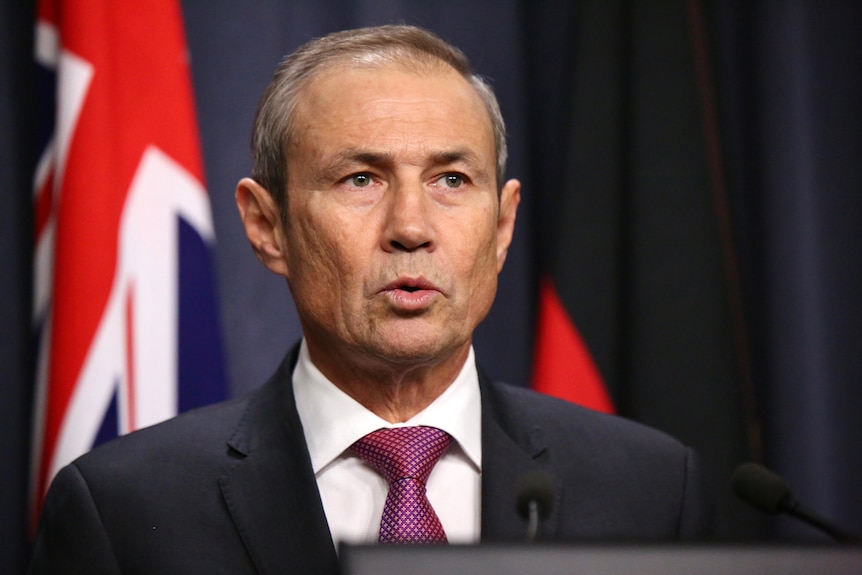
(793, 138)
(786, 82)
(633, 229)
(16, 374)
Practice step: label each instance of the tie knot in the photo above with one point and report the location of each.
(402, 452)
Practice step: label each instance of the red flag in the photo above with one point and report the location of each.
(563, 365)
(117, 190)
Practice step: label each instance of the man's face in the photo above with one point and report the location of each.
(395, 234)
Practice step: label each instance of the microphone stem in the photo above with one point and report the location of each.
(533, 520)
(794, 508)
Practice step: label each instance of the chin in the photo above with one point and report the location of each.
(413, 349)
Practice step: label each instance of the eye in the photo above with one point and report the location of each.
(360, 180)
(452, 180)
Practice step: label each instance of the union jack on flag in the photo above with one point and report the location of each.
(124, 303)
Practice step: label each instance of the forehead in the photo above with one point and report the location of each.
(391, 106)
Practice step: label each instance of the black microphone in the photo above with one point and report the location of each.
(534, 499)
(768, 492)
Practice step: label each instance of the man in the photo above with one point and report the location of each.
(378, 194)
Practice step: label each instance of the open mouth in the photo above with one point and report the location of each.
(410, 285)
(410, 295)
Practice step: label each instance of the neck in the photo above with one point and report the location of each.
(393, 391)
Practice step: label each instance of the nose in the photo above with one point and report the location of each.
(409, 225)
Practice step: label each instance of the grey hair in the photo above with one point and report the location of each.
(401, 45)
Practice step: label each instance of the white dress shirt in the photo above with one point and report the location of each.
(352, 492)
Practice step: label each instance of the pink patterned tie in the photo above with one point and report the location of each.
(405, 456)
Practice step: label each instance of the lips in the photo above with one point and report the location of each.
(410, 284)
(411, 293)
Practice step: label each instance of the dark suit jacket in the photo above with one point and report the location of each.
(230, 488)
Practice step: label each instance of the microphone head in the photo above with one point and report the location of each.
(761, 488)
(535, 486)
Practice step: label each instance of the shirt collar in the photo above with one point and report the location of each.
(333, 421)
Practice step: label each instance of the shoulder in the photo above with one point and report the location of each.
(143, 498)
(186, 442)
(520, 408)
(632, 480)
(198, 436)
(587, 444)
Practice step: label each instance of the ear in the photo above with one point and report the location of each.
(510, 197)
(261, 219)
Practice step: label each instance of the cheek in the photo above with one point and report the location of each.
(320, 252)
(484, 244)
(310, 254)
(478, 259)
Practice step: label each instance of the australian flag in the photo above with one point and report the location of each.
(124, 303)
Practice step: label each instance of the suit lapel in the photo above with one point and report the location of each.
(511, 448)
(271, 491)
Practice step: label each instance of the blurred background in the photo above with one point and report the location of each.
(692, 192)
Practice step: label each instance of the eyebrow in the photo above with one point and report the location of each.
(345, 160)
(455, 156)
(479, 173)
(442, 157)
